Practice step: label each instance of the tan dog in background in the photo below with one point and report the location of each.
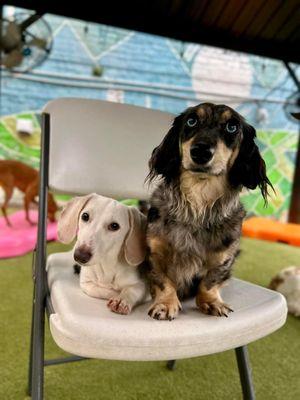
(110, 245)
(15, 174)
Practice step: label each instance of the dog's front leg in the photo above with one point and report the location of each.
(166, 305)
(91, 287)
(209, 299)
(129, 297)
(94, 290)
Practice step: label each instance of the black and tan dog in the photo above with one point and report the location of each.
(194, 223)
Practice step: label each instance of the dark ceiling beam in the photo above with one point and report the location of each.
(151, 17)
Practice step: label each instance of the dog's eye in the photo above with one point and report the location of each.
(114, 226)
(231, 127)
(85, 217)
(191, 122)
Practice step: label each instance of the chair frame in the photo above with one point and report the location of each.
(42, 302)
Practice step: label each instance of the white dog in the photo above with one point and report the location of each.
(287, 282)
(110, 245)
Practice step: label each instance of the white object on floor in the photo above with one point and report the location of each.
(287, 282)
(25, 125)
(84, 325)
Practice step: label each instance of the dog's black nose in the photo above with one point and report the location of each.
(82, 254)
(201, 152)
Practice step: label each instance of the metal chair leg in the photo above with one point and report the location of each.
(243, 362)
(40, 271)
(171, 364)
(37, 387)
(29, 383)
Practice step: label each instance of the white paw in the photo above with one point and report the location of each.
(119, 306)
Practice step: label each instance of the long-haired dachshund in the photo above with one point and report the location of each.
(195, 218)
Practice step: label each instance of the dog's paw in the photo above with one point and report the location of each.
(119, 306)
(164, 311)
(216, 308)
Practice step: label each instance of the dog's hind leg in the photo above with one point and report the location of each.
(7, 184)
(29, 197)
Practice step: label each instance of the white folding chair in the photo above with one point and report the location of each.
(97, 146)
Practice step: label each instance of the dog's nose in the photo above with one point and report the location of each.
(82, 254)
(201, 152)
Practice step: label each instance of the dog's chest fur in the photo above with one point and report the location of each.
(201, 194)
(200, 221)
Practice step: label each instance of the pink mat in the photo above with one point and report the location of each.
(20, 238)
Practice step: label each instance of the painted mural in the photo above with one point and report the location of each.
(100, 62)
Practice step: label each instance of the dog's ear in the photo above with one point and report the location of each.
(135, 242)
(249, 168)
(165, 159)
(68, 219)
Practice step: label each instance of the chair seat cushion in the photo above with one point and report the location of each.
(84, 325)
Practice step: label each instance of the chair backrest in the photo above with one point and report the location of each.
(103, 147)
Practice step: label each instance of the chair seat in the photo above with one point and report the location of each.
(84, 326)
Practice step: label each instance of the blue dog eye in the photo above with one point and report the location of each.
(191, 122)
(231, 128)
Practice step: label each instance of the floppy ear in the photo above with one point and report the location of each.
(68, 219)
(249, 168)
(135, 242)
(165, 159)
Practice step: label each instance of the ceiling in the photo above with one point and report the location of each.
(269, 28)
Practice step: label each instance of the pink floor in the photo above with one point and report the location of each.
(20, 238)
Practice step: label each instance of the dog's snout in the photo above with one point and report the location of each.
(201, 152)
(82, 254)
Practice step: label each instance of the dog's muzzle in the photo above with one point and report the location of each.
(82, 254)
(201, 153)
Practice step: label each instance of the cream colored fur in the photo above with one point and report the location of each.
(202, 194)
(112, 271)
(287, 282)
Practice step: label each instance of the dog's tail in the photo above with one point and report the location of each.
(77, 269)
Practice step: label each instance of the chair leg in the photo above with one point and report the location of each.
(243, 362)
(37, 366)
(29, 383)
(171, 364)
(40, 284)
